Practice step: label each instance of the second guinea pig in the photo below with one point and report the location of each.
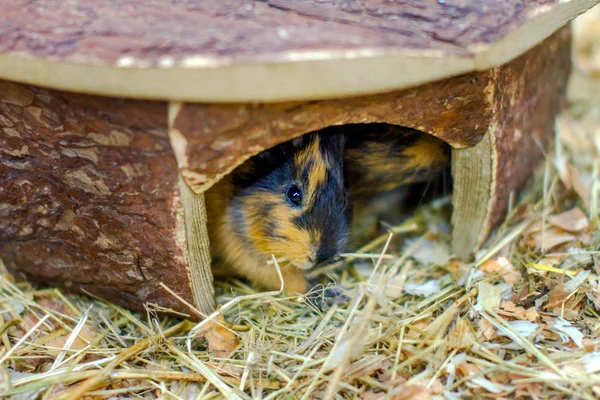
(289, 201)
(381, 162)
(381, 158)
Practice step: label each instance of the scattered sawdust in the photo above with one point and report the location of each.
(522, 321)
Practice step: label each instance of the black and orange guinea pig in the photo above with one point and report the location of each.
(385, 165)
(289, 201)
(382, 157)
(294, 201)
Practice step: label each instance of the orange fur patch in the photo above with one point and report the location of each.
(296, 243)
(380, 163)
(234, 257)
(426, 152)
(311, 155)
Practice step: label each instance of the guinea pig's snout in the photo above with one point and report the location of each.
(307, 264)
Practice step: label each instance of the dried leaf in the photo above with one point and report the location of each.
(420, 326)
(509, 306)
(577, 281)
(490, 266)
(457, 269)
(573, 220)
(551, 238)
(437, 387)
(512, 278)
(557, 295)
(591, 362)
(574, 369)
(468, 369)
(580, 187)
(524, 328)
(511, 309)
(86, 335)
(431, 252)
(221, 340)
(566, 313)
(394, 287)
(594, 297)
(504, 268)
(529, 390)
(521, 296)
(412, 392)
(54, 304)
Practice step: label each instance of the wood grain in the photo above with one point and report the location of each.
(102, 32)
(526, 95)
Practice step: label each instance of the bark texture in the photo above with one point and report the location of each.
(89, 195)
(212, 139)
(530, 92)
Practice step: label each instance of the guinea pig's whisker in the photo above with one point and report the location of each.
(368, 255)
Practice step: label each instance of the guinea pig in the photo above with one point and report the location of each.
(381, 162)
(381, 158)
(290, 201)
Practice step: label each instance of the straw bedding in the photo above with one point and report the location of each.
(402, 320)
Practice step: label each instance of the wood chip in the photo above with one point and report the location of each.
(460, 336)
(486, 330)
(488, 296)
(532, 315)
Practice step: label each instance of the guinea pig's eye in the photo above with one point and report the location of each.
(294, 195)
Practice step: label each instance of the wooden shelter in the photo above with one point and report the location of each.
(115, 117)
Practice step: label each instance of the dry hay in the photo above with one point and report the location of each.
(521, 321)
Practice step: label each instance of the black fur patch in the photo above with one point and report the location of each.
(276, 170)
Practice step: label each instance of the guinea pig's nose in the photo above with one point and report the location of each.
(325, 255)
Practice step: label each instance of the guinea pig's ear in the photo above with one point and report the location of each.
(343, 138)
(298, 142)
(338, 140)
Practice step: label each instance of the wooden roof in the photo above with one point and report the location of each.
(272, 50)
